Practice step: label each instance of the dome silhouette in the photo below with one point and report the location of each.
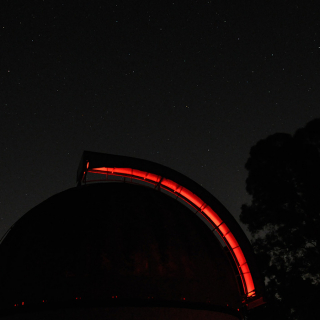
(115, 246)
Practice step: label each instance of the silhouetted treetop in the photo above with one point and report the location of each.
(284, 218)
(283, 179)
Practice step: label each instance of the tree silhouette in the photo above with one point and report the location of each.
(284, 220)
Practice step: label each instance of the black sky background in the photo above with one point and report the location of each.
(190, 84)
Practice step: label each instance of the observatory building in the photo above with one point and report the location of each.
(133, 240)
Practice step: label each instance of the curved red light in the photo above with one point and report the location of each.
(196, 202)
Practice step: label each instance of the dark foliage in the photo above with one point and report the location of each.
(284, 220)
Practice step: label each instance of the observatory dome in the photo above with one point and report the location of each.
(115, 244)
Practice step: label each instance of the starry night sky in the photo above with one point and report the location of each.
(190, 84)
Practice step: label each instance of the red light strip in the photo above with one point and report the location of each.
(197, 203)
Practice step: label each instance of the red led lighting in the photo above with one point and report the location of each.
(196, 202)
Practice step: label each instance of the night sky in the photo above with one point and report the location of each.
(192, 85)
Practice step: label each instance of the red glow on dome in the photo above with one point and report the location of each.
(189, 197)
